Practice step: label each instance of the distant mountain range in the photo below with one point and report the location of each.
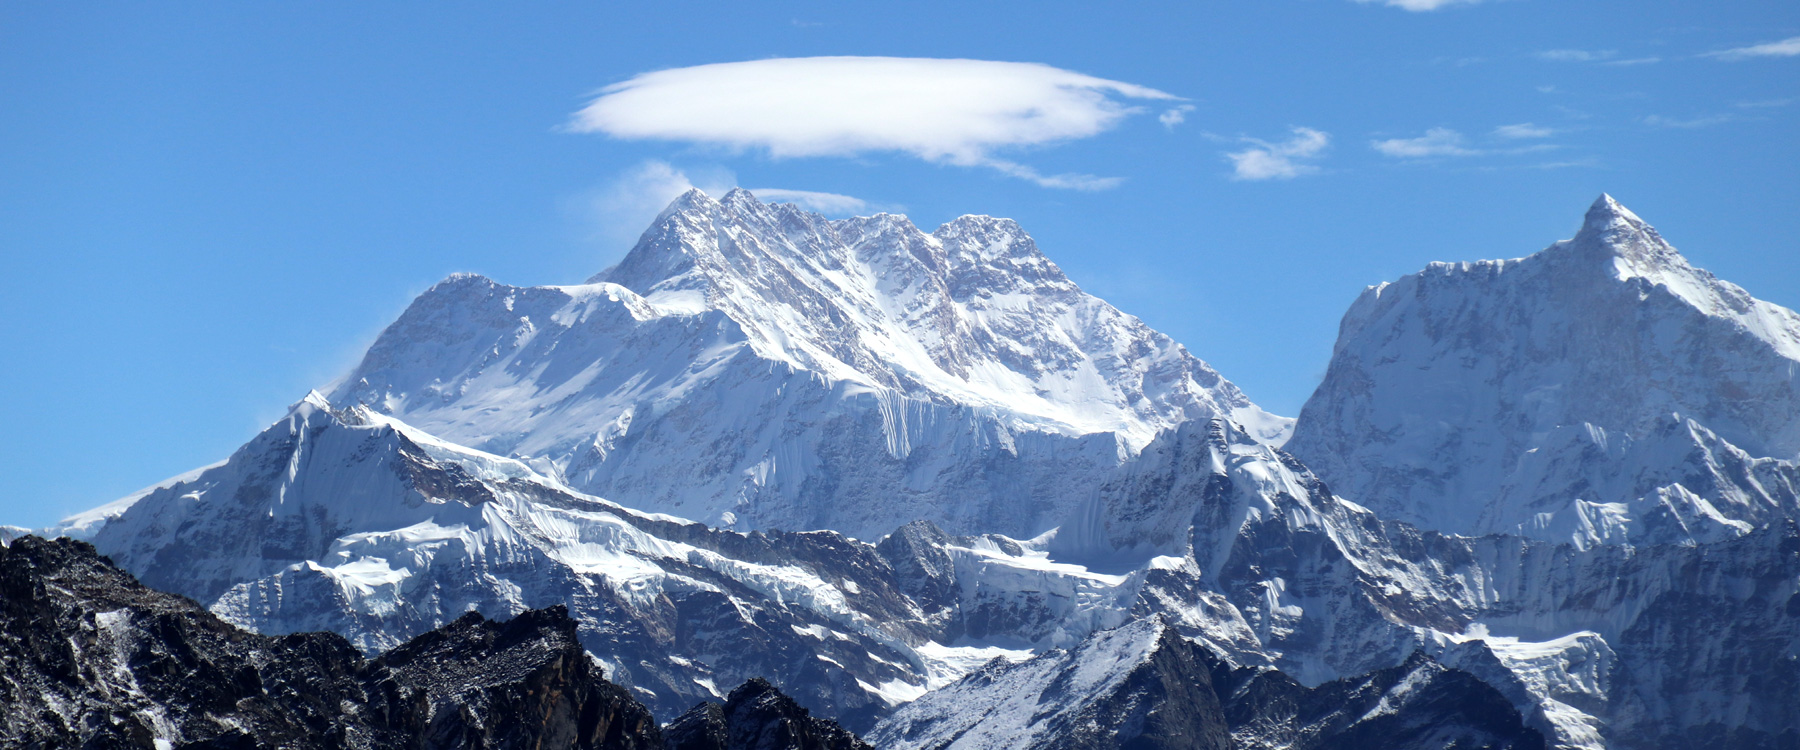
(943, 496)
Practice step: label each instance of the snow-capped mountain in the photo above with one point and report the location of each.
(853, 375)
(1029, 468)
(1601, 391)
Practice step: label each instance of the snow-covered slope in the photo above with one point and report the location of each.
(754, 365)
(1600, 391)
(1142, 686)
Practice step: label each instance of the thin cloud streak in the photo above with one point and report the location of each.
(1420, 6)
(1705, 121)
(831, 204)
(1576, 55)
(1435, 142)
(1789, 47)
(1523, 130)
(1279, 161)
(956, 112)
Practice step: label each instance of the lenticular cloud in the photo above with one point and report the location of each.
(946, 111)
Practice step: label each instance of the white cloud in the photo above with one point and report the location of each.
(1706, 121)
(1633, 61)
(824, 203)
(1420, 5)
(958, 112)
(1523, 130)
(1279, 161)
(1174, 116)
(1576, 55)
(1788, 47)
(1435, 142)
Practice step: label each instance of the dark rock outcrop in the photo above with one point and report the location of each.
(90, 658)
(756, 716)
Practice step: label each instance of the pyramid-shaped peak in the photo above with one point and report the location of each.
(738, 197)
(694, 199)
(1608, 212)
(1612, 233)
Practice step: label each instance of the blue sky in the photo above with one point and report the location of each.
(206, 210)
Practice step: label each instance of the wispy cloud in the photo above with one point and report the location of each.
(1523, 130)
(1435, 142)
(1789, 47)
(1764, 104)
(958, 112)
(623, 208)
(1174, 116)
(831, 204)
(1577, 55)
(619, 211)
(1420, 5)
(1704, 121)
(1633, 61)
(1281, 160)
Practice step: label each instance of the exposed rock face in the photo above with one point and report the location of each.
(1602, 391)
(755, 366)
(93, 659)
(1144, 687)
(757, 717)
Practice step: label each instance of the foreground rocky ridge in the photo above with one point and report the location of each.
(91, 658)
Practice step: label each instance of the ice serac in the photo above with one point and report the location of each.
(757, 366)
(1601, 391)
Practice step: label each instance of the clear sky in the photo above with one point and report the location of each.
(208, 209)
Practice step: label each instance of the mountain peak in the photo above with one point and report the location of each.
(1612, 227)
(738, 197)
(694, 199)
(1607, 210)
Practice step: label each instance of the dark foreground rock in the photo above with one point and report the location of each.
(90, 658)
(757, 717)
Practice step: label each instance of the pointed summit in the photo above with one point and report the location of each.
(740, 198)
(1611, 226)
(1470, 369)
(694, 199)
(1607, 210)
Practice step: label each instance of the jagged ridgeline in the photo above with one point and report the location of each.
(931, 476)
(90, 658)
